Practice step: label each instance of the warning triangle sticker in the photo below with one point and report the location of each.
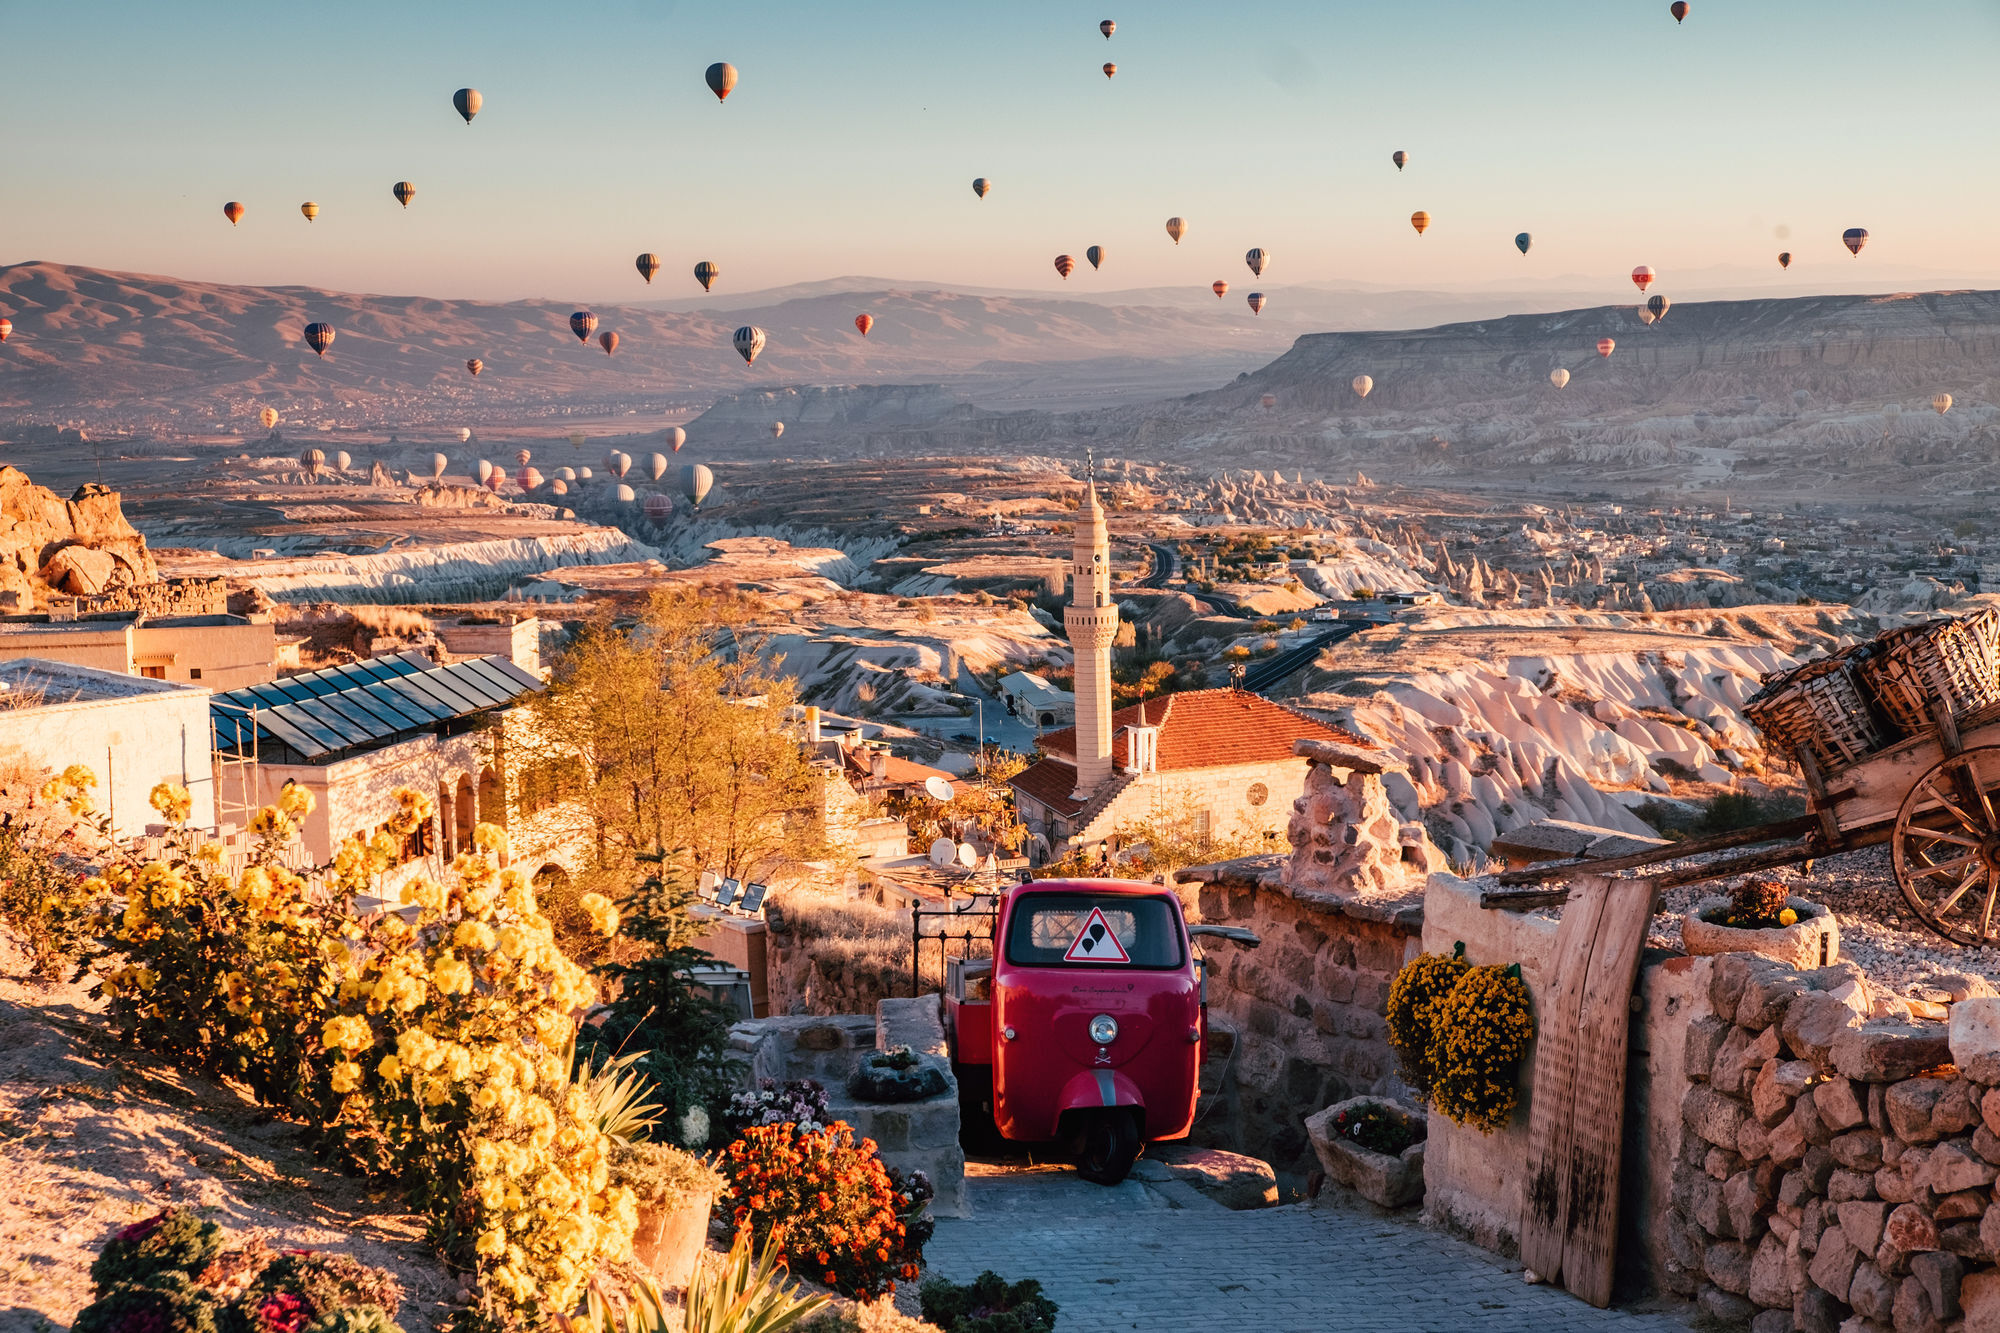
(1095, 943)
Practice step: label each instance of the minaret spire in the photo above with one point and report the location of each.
(1091, 620)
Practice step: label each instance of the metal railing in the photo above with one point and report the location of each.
(974, 918)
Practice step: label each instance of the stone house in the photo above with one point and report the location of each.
(219, 652)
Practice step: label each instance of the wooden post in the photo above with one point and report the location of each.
(1576, 1127)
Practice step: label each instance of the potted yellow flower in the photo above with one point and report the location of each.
(1761, 917)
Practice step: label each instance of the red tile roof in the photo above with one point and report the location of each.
(897, 772)
(1049, 781)
(1210, 729)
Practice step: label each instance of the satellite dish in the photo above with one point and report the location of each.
(943, 852)
(939, 788)
(967, 857)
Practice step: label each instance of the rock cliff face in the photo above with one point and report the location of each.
(80, 546)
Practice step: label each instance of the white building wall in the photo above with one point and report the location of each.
(157, 734)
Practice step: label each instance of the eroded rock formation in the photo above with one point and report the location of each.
(80, 546)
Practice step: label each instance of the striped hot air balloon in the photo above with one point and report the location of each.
(468, 101)
(582, 323)
(528, 478)
(1220, 288)
(1605, 346)
(706, 273)
(721, 79)
(1659, 305)
(1095, 254)
(522, 456)
(404, 192)
(312, 460)
(748, 341)
(319, 336)
(268, 417)
(1256, 300)
(1065, 266)
(696, 480)
(648, 265)
(1646, 316)
(980, 186)
(608, 340)
(1363, 386)
(310, 209)
(1941, 404)
(659, 507)
(1421, 221)
(233, 211)
(475, 365)
(1854, 238)
(1258, 260)
(1642, 277)
(1176, 228)
(864, 323)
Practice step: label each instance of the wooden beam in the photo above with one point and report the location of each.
(1744, 837)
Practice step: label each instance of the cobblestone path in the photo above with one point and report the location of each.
(1127, 1258)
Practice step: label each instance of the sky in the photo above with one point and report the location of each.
(1612, 135)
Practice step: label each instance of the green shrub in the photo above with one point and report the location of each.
(174, 1241)
(988, 1304)
(169, 1302)
(300, 1287)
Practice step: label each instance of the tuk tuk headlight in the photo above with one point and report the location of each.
(1104, 1029)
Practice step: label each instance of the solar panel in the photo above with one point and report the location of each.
(725, 892)
(753, 899)
(341, 731)
(338, 708)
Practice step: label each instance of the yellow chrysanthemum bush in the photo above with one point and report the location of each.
(1460, 1033)
(446, 1063)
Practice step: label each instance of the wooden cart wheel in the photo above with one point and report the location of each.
(1947, 847)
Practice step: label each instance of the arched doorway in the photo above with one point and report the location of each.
(463, 815)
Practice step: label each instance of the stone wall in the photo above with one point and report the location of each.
(167, 597)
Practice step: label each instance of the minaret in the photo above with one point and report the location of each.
(1091, 620)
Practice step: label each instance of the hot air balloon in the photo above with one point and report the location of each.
(1109, 69)
(558, 487)
(696, 480)
(310, 209)
(468, 101)
(618, 464)
(1642, 277)
(1679, 9)
(1941, 404)
(1363, 386)
(1400, 158)
(1268, 401)
(319, 337)
(475, 365)
(495, 478)
(608, 340)
(1220, 288)
(583, 474)
(624, 494)
(656, 465)
(748, 341)
(582, 323)
(981, 185)
(312, 460)
(675, 437)
(1095, 254)
(1523, 241)
(1854, 238)
(1559, 377)
(777, 429)
(1646, 316)
(233, 211)
(658, 508)
(1421, 221)
(1605, 346)
(1256, 300)
(404, 192)
(1785, 259)
(268, 417)
(465, 434)
(1107, 28)
(1659, 305)
(721, 78)
(576, 439)
(706, 273)
(522, 456)
(1258, 260)
(483, 470)
(1065, 266)
(342, 460)
(1800, 398)
(1177, 228)
(438, 464)
(648, 265)
(528, 479)
(864, 323)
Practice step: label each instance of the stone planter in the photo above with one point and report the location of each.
(670, 1238)
(1377, 1177)
(1811, 941)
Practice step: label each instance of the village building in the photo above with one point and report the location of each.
(1037, 702)
(1215, 763)
(131, 732)
(352, 735)
(219, 652)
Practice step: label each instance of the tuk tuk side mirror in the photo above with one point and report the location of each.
(1235, 934)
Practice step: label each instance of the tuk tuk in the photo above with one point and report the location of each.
(1087, 1024)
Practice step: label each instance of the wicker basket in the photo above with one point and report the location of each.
(1955, 662)
(1819, 708)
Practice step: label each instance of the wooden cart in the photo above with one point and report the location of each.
(1933, 795)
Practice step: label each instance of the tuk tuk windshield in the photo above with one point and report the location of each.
(1060, 930)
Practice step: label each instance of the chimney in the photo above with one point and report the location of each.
(812, 724)
(878, 764)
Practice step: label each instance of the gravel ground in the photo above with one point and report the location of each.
(1877, 928)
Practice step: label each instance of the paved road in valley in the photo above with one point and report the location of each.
(1275, 671)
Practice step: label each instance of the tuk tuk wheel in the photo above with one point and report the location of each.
(1110, 1144)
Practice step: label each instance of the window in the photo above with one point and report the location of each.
(1044, 925)
(153, 672)
(1203, 824)
(1258, 794)
(194, 673)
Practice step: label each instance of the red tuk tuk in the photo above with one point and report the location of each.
(1087, 1024)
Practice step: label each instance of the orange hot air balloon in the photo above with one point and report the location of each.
(233, 211)
(1220, 288)
(1679, 9)
(864, 323)
(6, 328)
(1109, 69)
(608, 341)
(1065, 266)
(1785, 259)
(1256, 300)
(475, 365)
(1642, 277)
(1421, 221)
(310, 209)
(1605, 346)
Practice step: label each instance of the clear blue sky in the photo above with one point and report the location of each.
(1612, 135)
